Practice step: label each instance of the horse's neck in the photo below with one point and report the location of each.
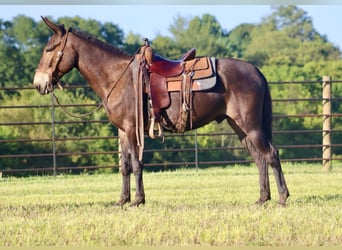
(101, 68)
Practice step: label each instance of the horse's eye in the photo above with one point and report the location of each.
(51, 47)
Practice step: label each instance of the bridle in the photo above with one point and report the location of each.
(59, 57)
(55, 79)
(54, 75)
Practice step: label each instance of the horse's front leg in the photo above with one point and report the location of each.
(125, 170)
(137, 167)
(138, 174)
(130, 162)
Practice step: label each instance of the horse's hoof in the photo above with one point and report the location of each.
(262, 201)
(137, 202)
(122, 202)
(282, 203)
(283, 198)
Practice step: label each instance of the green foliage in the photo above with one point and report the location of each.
(43, 131)
(285, 45)
(238, 40)
(132, 43)
(167, 47)
(205, 34)
(287, 37)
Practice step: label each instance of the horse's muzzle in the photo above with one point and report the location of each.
(42, 82)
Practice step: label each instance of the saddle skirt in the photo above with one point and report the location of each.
(170, 78)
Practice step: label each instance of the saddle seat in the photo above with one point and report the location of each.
(169, 68)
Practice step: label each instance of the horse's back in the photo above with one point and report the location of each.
(235, 71)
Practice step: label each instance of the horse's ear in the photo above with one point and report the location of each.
(57, 29)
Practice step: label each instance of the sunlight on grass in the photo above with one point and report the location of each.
(208, 207)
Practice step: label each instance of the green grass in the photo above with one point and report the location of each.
(208, 207)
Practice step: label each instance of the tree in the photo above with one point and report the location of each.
(285, 45)
(204, 33)
(238, 40)
(287, 37)
(293, 20)
(167, 47)
(132, 42)
(21, 43)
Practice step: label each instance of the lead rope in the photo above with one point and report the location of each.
(98, 105)
(73, 114)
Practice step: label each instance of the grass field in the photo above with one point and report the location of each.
(207, 207)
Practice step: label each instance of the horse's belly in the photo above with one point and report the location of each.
(205, 107)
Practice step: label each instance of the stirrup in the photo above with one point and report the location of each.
(155, 127)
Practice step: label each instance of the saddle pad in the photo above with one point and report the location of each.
(200, 65)
(204, 77)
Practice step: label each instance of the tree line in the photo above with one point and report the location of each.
(284, 45)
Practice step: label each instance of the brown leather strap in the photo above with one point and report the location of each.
(59, 56)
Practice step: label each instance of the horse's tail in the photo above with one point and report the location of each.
(267, 111)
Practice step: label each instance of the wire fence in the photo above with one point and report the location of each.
(30, 152)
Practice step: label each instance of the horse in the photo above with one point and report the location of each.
(240, 96)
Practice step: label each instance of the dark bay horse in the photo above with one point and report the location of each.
(240, 96)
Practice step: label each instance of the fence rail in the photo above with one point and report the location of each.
(330, 149)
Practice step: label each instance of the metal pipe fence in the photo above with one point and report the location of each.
(57, 151)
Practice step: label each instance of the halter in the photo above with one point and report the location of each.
(59, 56)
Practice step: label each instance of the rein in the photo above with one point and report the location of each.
(73, 114)
(121, 75)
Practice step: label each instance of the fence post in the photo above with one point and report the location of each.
(53, 135)
(326, 127)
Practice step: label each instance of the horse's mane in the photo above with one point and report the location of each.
(95, 41)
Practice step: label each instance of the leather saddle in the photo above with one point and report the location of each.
(169, 68)
(168, 75)
(189, 73)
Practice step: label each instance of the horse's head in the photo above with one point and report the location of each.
(57, 59)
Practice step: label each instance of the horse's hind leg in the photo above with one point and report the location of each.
(279, 176)
(265, 153)
(257, 151)
(248, 140)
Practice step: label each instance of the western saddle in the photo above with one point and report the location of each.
(161, 76)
